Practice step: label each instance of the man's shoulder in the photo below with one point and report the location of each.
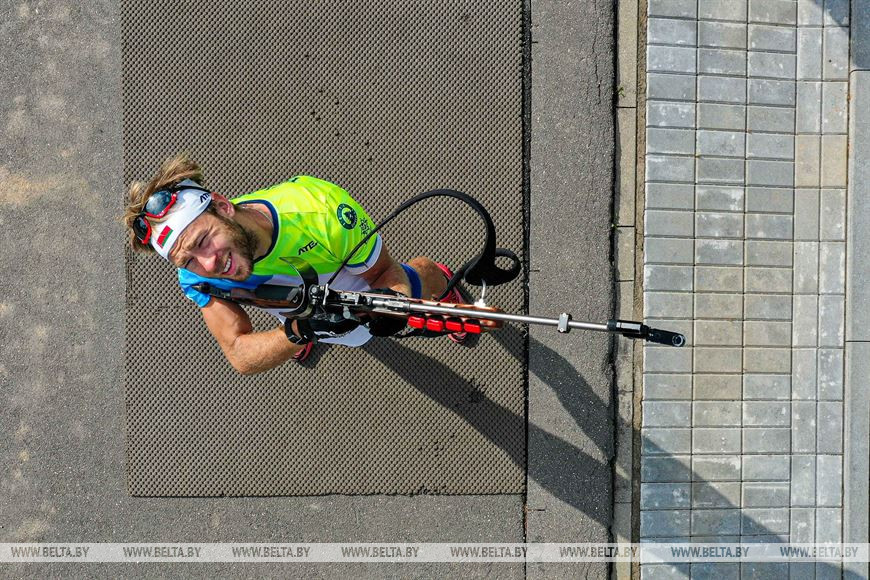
(299, 193)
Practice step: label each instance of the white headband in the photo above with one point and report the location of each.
(189, 204)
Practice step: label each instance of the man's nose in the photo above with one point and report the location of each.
(210, 263)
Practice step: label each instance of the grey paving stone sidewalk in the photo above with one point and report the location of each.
(745, 253)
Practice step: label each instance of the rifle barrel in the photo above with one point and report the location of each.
(488, 315)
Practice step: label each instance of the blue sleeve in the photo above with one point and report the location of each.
(187, 279)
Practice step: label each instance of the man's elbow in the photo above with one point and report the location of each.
(244, 368)
(241, 365)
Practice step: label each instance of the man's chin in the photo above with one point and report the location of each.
(243, 273)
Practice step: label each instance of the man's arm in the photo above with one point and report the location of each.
(387, 273)
(249, 352)
(252, 352)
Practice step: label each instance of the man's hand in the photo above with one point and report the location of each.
(382, 325)
(315, 329)
(299, 333)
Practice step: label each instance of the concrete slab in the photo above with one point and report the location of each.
(626, 71)
(860, 49)
(856, 458)
(626, 182)
(858, 211)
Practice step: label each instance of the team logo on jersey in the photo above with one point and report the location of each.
(346, 216)
(307, 247)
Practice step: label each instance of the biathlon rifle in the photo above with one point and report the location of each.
(321, 301)
(311, 299)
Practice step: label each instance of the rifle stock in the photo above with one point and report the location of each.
(401, 307)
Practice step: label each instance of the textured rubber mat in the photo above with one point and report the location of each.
(386, 99)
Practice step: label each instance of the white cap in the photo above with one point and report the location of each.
(189, 204)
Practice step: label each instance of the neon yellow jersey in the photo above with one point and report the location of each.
(315, 221)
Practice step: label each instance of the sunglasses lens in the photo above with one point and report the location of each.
(141, 229)
(158, 202)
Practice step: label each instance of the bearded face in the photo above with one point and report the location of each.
(216, 246)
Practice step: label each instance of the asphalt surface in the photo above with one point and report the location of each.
(571, 414)
(62, 333)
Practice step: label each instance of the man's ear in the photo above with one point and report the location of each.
(223, 205)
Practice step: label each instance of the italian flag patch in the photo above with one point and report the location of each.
(161, 239)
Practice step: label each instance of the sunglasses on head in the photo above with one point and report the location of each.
(156, 208)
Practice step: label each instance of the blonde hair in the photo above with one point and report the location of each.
(171, 172)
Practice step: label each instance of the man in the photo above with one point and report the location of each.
(240, 243)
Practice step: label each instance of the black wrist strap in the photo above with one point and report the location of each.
(307, 334)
